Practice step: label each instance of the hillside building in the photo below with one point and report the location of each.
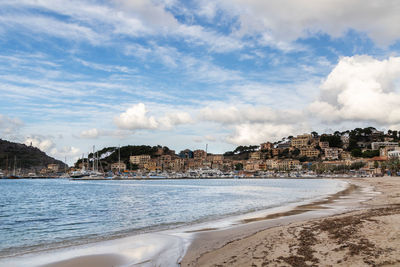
(301, 140)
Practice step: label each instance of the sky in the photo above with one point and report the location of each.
(184, 74)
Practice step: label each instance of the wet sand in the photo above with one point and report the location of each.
(104, 260)
(343, 230)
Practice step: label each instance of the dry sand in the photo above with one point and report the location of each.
(367, 236)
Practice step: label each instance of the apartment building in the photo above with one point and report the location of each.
(266, 146)
(332, 153)
(288, 164)
(199, 154)
(323, 145)
(301, 140)
(309, 152)
(377, 145)
(140, 159)
(118, 166)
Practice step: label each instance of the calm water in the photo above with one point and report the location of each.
(43, 213)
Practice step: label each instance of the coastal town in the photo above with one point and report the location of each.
(359, 152)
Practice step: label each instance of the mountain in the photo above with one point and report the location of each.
(109, 155)
(28, 157)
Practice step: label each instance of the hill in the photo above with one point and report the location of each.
(28, 157)
(109, 155)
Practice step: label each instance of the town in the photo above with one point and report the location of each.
(359, 152)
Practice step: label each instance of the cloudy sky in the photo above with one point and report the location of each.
(189, 73)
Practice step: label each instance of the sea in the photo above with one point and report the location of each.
(38, 214)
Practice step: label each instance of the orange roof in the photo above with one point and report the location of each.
(378, 159)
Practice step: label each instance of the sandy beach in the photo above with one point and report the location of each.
(369, 234)
(354, 227)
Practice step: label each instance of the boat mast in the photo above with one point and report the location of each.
(93, 158)
(83, 162)
(7, 169)
(119, 158)
(15, 164)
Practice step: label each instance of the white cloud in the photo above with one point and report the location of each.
(361, 88)
(136, 117)
(210, 138)
(43, 143)
(40, 24)
(275, 22)
(100, 22)
(47, 145)
(105, 67)
(253, 125)
(176, 118)
(248, 114)
(256, 133)
(9, 126)
(279, 22)
(70, 152)
(90, 134)
(199, 69)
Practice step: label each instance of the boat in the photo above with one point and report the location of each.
(79, 174)
(93, 174)
(14, 175)
(82, 173)
(118, 175)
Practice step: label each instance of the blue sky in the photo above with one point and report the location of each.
(188, 73)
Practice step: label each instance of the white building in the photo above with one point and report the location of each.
(140, 159)
(395, 154)
(332, 153)
(377, 145)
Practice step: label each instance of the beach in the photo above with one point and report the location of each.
(138, 222)
(356, 226)
(366, 234)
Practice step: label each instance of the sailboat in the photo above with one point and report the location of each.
(82, 172)
(118, 176)
(65, 175)
(94, 174)
(14, 175)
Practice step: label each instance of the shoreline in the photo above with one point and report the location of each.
(348, 237)
(183, 239)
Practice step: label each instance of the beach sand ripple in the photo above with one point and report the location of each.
(369, 236)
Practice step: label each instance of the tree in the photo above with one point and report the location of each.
(394, 135)
(238, 167)
(229, 153)
(134, 167)
(370, 153)
(303, 159)
(334, 140)
(296, 152)
(284, 153)
(356, 152)
(357, 165)
(244, 149)
(376, 164)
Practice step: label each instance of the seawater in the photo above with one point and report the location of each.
(49, 212)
